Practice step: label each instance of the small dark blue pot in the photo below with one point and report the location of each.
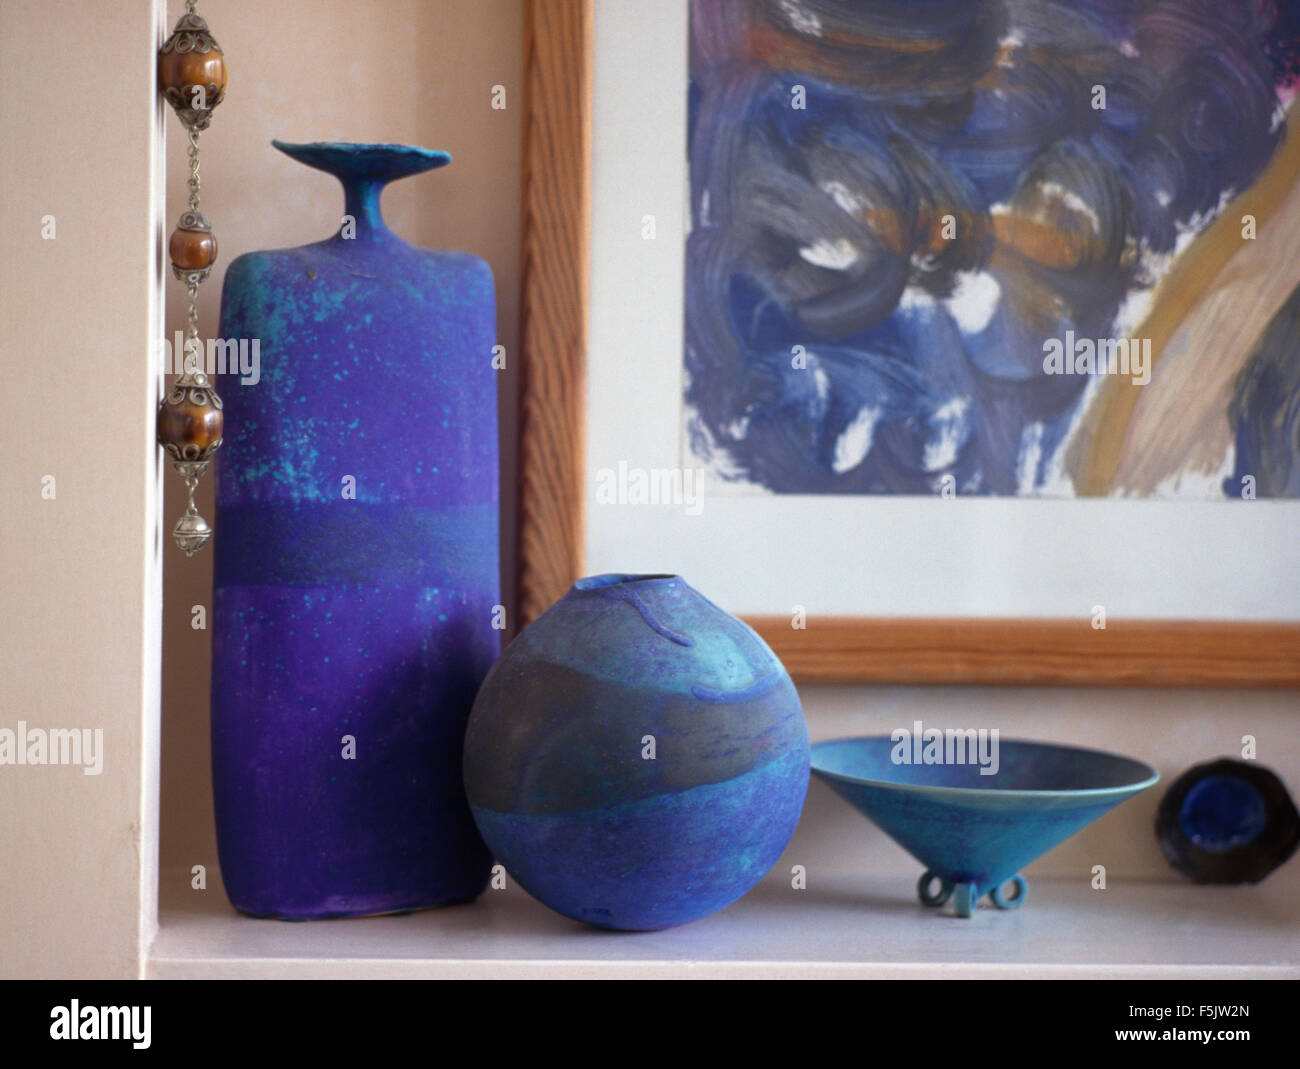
(1227, 821)
(360, 611)
(637, 758)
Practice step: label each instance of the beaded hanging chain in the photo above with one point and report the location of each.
(192, 76)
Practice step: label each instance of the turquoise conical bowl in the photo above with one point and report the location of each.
(972, 829)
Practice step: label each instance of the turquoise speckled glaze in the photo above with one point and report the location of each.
(356, 567)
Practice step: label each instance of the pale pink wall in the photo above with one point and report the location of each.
(79, 569)
(413, 71)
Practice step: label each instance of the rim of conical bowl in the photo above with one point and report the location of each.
(1144, 774)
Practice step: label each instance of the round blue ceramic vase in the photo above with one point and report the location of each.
(637, 758)
(356, 567)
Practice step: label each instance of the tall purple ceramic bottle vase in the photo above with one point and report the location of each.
(356, 569)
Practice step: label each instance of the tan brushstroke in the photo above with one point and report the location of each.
(1043, 242)
(833, 55)
(1048, 243)
(1180, 423)
(1205, 319)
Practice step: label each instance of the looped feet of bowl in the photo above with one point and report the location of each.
(966, 895)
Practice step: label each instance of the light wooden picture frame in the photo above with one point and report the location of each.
(555, 305)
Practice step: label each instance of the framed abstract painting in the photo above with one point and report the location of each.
(946, 341)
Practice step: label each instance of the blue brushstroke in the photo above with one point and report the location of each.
(814, 227)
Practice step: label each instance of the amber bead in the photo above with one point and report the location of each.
(182, 70)
(190, 59)
(192, 250)
(193, 429)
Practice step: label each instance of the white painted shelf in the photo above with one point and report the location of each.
(843, 925)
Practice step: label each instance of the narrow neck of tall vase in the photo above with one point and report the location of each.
(364, 169)
(362, 218)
